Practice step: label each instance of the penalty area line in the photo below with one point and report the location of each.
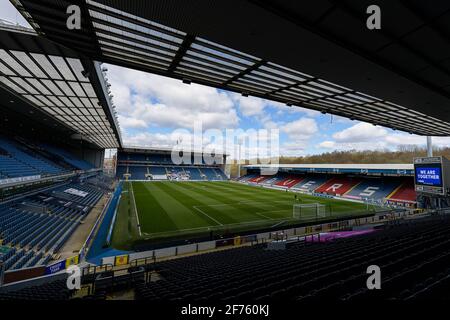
(204, 213)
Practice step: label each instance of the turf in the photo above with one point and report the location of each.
(165, 209)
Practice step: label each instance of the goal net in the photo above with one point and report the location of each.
(309, 211)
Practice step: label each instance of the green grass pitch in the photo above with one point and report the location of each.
(168, 209)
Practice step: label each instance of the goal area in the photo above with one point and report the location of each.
(309, 211)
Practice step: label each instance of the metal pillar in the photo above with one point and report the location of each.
(429, 147)
(239, 159)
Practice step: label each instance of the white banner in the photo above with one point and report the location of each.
(19, 179)
(76, 192)
(159, 177)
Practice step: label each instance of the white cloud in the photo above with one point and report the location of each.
(165, 102)
(327, 144)
(249, 106)
(361, 132)
(126, 122)
(301, 129)
(365, 136)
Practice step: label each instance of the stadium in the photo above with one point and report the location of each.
(163, 224)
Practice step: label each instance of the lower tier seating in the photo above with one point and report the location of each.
(37, 226)
(414, 257)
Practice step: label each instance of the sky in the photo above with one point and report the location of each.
(152, 107)
(161, 112)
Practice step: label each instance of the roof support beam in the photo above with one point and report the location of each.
(188, 40)
(244, 72)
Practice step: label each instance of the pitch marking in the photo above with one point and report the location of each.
(136, 211)
(202, 212)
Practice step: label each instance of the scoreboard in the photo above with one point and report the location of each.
(432, 175)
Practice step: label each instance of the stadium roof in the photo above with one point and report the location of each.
(60, 83)
(166, 150)
(401, 166)
(399, 169)
(318, 55)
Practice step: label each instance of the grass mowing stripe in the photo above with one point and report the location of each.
(214, 203)
(251, 191)
(125, 228)
(338, 204)
(181, 214)
(166, 209)
(194, 200)
(153, 216)
(245, 211)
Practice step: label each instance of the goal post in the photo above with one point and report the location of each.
(309, 210)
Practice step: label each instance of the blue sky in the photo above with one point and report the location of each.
(151, 108)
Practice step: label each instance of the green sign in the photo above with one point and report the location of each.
(4, 249)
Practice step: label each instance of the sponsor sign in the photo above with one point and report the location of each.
(19, 179)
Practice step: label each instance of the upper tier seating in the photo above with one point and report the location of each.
(12, 168)
(28, 158)
(69, 158)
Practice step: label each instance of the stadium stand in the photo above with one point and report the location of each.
(289, 182)
(37, 226)
(305, 272)
(414, 255)
(247, 177)
(375, 188)
(258, 179)
(310, 183)
(67, 157)
(338, 186)
(392, 190)
(16, 161)
(54, 290)
(154, 164)
(121, 170)
(22, 158)
(405, 193)
(194, 173)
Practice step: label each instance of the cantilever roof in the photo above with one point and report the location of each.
(396, 166)
(384, 168)
(138, 149)
(57, 81)
(166, 37)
